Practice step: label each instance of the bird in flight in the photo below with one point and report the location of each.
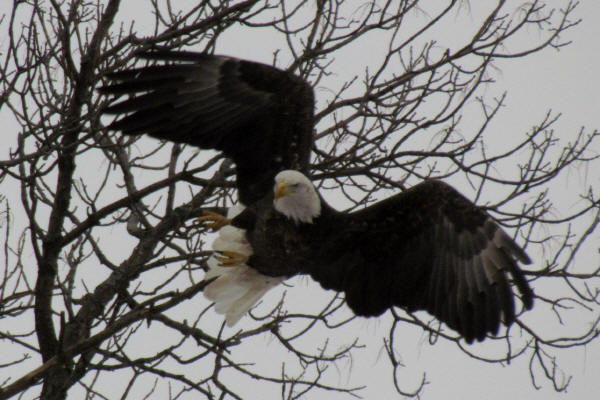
(425, 248)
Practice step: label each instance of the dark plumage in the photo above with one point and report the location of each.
(259, 116)
(427, 248)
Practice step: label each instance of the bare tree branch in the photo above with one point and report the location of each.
(110, 220)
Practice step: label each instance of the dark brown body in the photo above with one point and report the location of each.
(427, 248)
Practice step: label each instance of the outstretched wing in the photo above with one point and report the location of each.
(257, 115)
(428, 248)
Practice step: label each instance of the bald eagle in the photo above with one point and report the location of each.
(426, 248)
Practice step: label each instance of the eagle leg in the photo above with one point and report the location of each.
(231, 258)
(213, 220)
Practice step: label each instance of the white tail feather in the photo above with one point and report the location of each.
(238, 288)
(254, 293)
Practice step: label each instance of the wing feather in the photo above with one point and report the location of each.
(257, 115)
(429, 248)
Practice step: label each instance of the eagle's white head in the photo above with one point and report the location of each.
(296, 197)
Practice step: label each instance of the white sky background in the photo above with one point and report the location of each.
(567, 81)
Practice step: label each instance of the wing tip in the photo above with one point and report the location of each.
(527, 297)
(166, 54)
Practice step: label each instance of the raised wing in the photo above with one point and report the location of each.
(428, 248)
(257, 115)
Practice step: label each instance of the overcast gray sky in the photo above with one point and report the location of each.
(566, 81)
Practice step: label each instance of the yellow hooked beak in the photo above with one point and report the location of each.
(281, 190)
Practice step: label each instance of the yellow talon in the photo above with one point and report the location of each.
(218, 221)
(231, 258)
